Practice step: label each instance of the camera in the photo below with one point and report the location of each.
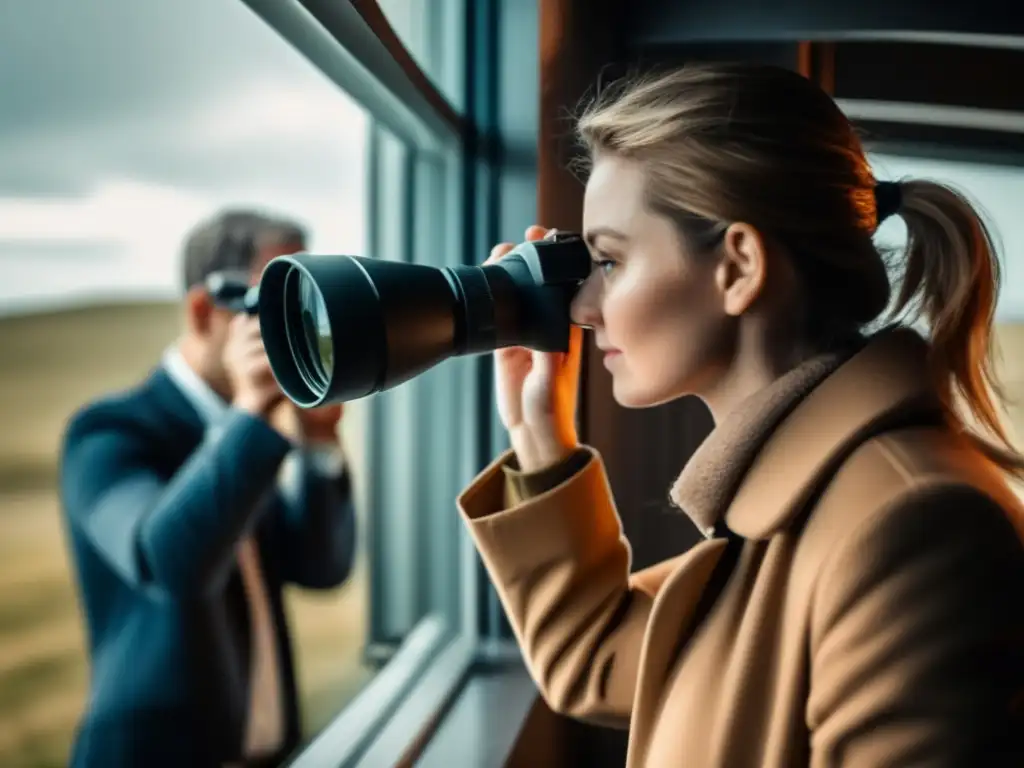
(338, 328)
(231, 291)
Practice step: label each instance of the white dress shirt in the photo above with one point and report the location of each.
(264, 731)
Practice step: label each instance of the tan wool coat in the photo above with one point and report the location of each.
(868, 612)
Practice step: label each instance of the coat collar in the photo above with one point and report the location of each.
(708, 482)
(884, 384)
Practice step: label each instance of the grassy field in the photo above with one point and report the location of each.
(49, 365)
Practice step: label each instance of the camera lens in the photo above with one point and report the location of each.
(309, 331)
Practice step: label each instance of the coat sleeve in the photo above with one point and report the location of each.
(560, 565)
(317, 524)
(917, 638)
(166, 536)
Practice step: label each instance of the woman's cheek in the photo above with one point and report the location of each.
(611, 314)
(623, 304)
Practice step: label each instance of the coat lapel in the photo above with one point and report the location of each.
(178, 415)
(672, 616)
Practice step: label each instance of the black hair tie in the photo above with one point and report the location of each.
(888, 199)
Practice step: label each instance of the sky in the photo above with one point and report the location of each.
(124, 123)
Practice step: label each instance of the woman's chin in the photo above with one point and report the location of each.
(630, 396)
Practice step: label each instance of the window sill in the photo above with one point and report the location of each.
(484, 724)
(352, 733)
(441, 701)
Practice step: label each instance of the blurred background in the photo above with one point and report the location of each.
(121, 126)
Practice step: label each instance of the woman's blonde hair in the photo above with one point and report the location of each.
(722, 143)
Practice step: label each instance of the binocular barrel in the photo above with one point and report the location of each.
(338, 328)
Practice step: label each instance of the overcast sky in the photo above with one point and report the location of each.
(123, 122)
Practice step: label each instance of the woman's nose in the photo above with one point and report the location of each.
(585, 310)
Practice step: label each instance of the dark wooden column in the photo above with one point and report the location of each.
(817, 61)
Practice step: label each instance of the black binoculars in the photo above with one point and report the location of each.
(338, 328)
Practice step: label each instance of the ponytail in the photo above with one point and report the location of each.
(951, 279)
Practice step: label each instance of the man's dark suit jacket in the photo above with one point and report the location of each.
(155, 504)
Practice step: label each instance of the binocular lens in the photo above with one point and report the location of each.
(308, 330)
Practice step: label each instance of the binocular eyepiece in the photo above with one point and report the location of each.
(338, 328)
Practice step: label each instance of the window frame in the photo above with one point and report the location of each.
(428, 663)
(361, 60)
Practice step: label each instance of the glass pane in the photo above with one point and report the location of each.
(422, 429)
(434, 34)
(123, 125)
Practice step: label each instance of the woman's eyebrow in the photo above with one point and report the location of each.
(596, 232)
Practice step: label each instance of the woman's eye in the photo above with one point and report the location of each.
(605, 265)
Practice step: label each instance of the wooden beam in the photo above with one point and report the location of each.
(817, 62)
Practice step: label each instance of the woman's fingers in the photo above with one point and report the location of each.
(498, 251)
(534, 232)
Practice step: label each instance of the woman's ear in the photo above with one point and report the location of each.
(742, 269)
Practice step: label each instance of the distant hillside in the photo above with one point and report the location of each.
(52, 362)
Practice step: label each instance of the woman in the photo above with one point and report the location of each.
(858, 601)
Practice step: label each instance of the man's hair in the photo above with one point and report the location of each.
(231, 240)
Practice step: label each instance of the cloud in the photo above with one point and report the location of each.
(127, 234)
(102, 60)
(249, 138)
(122, 123)
(197, 93)
(14, 251)
(112, 212)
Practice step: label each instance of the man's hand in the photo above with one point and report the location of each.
(320, 425)
(256, 391)
(308, 426)
(248, 368)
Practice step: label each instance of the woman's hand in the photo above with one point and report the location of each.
(537, 392)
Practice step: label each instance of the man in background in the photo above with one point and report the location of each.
(190, 501)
